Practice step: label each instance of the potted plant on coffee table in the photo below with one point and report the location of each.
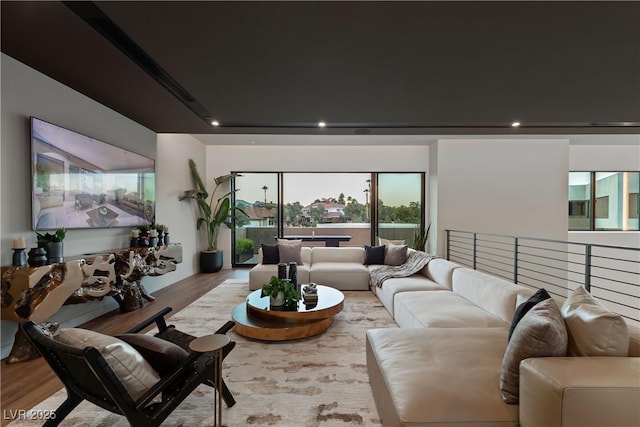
(214, 212)
(281, 293)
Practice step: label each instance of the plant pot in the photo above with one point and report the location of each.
(277, 301)
(211, 261)
(55, 252)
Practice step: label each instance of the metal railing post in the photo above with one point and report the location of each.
(587, 268)
(475, 252)
(515, 260)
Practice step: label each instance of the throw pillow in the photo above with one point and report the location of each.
(374, 255)
(593, 329)
(163, 356)
(540, 333)
(523, 308)
(290, 251)
(135, 373)
(270, 254)
(385, 242)
(395, 254)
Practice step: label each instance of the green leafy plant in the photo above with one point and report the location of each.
(159, 228)
(214, 211)
(285, 286)
(244, 245)
(144, 229)
(420, 238)
(57, 236)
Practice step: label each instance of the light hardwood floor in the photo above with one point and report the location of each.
(25, 384)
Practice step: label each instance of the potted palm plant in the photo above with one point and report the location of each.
(213, 213)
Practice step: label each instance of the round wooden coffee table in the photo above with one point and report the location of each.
(255, 319)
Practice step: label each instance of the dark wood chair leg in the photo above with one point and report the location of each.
(63, 410)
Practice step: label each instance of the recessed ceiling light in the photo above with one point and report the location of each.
(515, 124)
(215, 123)
(322, 124)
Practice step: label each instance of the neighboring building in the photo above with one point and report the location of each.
(260, 216)
(334, 211)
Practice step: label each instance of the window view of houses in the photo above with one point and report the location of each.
(320, 206)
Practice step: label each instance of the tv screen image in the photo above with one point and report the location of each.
(81, 182)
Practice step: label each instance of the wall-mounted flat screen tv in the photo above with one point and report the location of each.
(80, 182)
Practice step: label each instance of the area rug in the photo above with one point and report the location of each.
(318, 381)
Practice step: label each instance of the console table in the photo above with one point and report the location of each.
(331, 240)
(37, 293)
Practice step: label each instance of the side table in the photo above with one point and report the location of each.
(204, 344)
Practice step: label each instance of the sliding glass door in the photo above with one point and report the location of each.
(400, 202)
(257, 195)
(325, 209)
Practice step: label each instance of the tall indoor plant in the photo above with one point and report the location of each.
(214, 211)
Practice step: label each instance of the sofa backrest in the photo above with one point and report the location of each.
(305, 255)
(493, 294)
(634, 341)
(343, 254)
(440, 271)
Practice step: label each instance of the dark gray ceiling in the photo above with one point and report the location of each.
(382, 67)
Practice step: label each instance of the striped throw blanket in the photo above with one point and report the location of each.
(415, 262)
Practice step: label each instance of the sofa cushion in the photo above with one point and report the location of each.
(270, 254)
(440, 271)
(290, 251)
(163, 356)
(593, 329)
(438, 377)
(540, 333)
(343, 254)
(374, 255)
(135, 373)
(527, 305)
(350, 276)
(442, 309)
(395, 254)
(493, 294)
(393, 286)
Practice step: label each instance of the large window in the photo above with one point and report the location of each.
(603, 200)
(325, 209)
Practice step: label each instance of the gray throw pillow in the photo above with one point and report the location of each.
(290, 251)
(395, 254)
(540, 333)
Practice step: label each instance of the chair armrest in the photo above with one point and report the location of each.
(580, 391)
(226, 327)
(157, 318)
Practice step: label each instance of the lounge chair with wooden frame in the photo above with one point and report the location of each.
(86, 375)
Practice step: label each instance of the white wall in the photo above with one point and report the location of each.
(174, 177)
(25, 93)
(222, 159)
(513, 187)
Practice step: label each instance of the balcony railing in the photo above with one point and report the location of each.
(610, 273)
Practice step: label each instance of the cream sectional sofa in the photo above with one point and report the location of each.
(441, 367)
